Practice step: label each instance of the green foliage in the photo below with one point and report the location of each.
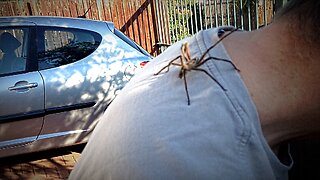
(178, 27)
(179, 14)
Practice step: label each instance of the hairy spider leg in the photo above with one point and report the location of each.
(183, 73)
(168, 65)
(214, 79)
(186, 87)
(215, 44)
(219, 59)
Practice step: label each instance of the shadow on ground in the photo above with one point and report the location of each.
(51, 164)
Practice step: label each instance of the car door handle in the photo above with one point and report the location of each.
(24, 86)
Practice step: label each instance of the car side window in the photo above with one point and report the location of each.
(59, 47)
(13, 50)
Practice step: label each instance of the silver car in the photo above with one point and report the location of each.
(57, 77)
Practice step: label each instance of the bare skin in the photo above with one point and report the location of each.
(282, 73)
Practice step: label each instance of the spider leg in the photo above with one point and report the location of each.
(168, 65)
(215, 44)
(186, 87)
(214, 79)
(219, 59)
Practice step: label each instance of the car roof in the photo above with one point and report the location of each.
(55, 21)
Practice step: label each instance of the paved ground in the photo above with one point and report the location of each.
(53, 164)
(57, 164)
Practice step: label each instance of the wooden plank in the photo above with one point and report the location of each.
(166, 35)
(167, 25)
(36, 7)
(121, 14)
(126, 17)
(155, 50)
(85, 8)
(150, 28)
(54, 8)
(15, 8)
(140, 23)
(94, 10)
(89, 9)
(142, 33)
(31, 10)
(99, 10)
(27, 6)
(21, 8)
(130, 20)
(80, 8)
(45, 8)
(134, 27)
(5, 9)
(10, 10)
(2, 9)
(151, 38)
(73, 8)
(146, 24)
(114, 14)
(135, 24)
(106, 7)
(65, 8)
(104, 11)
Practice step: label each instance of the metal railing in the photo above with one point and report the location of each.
(178, 19)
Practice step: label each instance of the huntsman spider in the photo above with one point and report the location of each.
(186, 63)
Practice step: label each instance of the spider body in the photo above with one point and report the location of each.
(186, 64)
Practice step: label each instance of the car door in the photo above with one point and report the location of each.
(69, 94)
(21, 88)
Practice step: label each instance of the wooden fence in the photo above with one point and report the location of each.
(136, 18)
(153, 24)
